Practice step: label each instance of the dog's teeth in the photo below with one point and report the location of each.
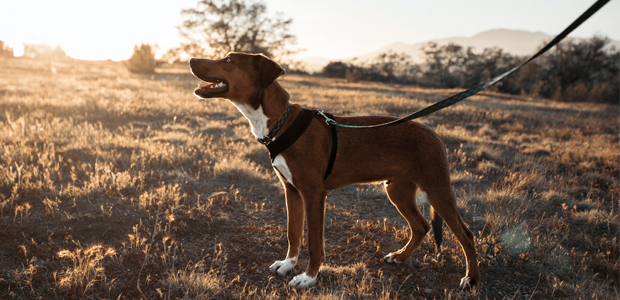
(213, 85)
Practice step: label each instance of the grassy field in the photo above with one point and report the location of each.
(120, 186)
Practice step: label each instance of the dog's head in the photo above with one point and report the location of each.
(237, 77)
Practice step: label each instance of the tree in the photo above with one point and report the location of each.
(445, 63)
(490, 63)
(392, 66)
(216, 27)
(585, 61)
(575, 70)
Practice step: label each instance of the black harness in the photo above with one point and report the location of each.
(293, 132)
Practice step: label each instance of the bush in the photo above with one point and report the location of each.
(490, 63)
(5, 50)
(335, 69)
(393, 67)
(142, 60)
(576, 71)
(355, 73)
(44, 51)
(386, 67)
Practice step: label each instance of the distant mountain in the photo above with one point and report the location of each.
(517, 42)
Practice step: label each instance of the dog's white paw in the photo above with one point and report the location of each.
(302, 281)
(465, 283)
(281, 267)
(391, 259)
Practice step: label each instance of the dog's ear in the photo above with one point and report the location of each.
(268, 70)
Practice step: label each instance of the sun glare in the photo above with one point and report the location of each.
(91, 30)
(99, 30)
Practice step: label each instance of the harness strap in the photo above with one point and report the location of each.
(295, 130)
(332, 155)
(291, 134)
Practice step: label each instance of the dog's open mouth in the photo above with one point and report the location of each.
(212, 87)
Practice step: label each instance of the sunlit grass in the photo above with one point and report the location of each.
(114, 184)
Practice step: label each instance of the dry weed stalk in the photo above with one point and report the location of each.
(85, 269)
(96, 155)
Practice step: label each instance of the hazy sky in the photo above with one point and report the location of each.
(89, 29)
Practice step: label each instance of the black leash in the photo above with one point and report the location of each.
(474, 90)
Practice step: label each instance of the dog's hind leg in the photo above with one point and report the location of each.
(443, 201)
(295, 227)
(402, 194)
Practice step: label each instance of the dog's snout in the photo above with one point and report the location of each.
(192, 61)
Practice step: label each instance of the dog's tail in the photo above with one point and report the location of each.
(437, 223)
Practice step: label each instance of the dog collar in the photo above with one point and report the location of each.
(266, 140)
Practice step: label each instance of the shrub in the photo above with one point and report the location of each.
(142, 60)
(335, 69)
(577, 71)
(44, 51)
(386, 67)
(5, 50)
(392, 67)
(355, 73)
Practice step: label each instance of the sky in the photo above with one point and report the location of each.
(332, 29)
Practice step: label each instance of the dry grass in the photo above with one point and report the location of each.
(117, 186)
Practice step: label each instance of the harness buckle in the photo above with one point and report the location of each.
(266, 140)
(328, 120)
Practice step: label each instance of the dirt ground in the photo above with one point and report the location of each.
(121, 186)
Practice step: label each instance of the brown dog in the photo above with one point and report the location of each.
(405, 156)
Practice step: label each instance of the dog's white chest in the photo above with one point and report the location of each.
(280, 165)
(257, 118)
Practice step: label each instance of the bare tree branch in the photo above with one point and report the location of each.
(216, 27)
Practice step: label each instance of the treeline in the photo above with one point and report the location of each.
(35, 50)
(573, 71)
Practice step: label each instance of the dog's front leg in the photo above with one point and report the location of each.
(314, 204)
(295, 226)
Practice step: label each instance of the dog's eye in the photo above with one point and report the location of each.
(227, 60)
